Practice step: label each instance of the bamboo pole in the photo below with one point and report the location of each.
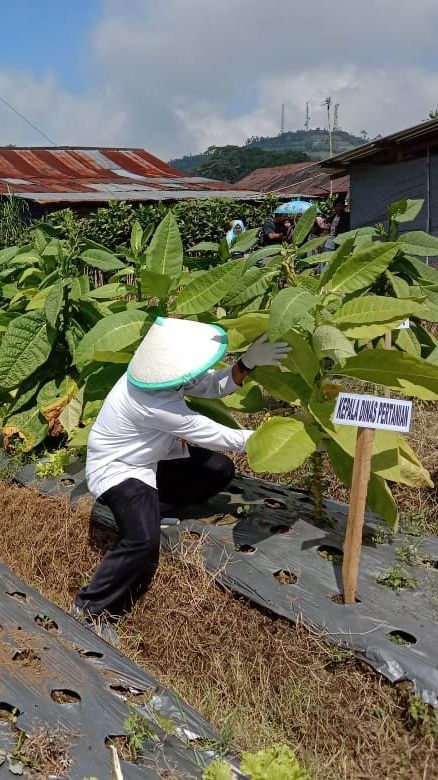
(356, 513)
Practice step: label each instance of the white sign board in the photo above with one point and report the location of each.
(372, 411)
(403, 325)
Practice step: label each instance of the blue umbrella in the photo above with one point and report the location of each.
(293, 207)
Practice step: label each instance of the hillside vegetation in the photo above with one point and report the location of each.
(229, 163)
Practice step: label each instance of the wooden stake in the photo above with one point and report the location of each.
(388, 345)
(356, 513)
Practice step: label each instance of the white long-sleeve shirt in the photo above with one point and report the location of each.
(136, 428)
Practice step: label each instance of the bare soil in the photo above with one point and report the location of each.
(249, 673)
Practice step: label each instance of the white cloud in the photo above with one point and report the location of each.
(179, 75)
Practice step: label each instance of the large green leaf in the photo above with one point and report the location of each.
(215, 409)
(38, 301)
(304, 226)
(278, 383)
(253, 283)
(204, 246)
(54, 302)
(419, 243)
(245, 241)
(136, 238)
(210, 288)
(282, 444)
(288, 309)
(301, 359)
(419, 270)
(397, 370)
(330, 342)
(248, 399)
(373, 315)
(362, 268)
(80, 437)
(114, 333)
(311, 246)
(107, 292)
(355, 233)
(165, 252)
(412, 471)
(7, 254)
(30, 426)
(405, 210)
(262, 253)
(154, 284)
(71, 414)
(101, 379)
(243, 330)
(335, 260)
(25, 346)
(102, 259)
(406, 340)
(398, 284)
(379, 496)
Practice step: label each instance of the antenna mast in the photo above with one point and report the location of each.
(283, 120)
(336, 117)
(307, 122)
(328, 103)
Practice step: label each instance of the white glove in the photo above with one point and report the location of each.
(261, 353)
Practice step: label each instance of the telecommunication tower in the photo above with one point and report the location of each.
(307, 122)
(328, 104)
(283, 120)
(336, 117)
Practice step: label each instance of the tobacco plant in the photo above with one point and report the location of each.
(73, 313)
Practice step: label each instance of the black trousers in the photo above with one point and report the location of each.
(125, 573)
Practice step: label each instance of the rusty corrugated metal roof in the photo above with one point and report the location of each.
(71, 174)
(305, 178)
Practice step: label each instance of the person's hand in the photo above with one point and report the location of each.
(261, 353)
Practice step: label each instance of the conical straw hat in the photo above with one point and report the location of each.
(174, 352)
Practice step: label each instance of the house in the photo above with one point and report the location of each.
(84, 178)
(401, 165)
(305, 179)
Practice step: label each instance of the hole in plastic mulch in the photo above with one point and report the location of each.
(272, 503)
(47, 623)
(140, 695)
(190, 536)
(333, 554)
(280, 529)
(67, 481)
(16, 594)
(245, 548)
(429, 563)
(285, 577)
(401, 638)
(338, 598)
(8, 711)
(90, 654)
(27, 656)
(234, 490)
(65, 696)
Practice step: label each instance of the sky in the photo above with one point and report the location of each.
(177, 76)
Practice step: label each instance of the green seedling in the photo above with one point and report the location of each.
(138, 730)
(396, 578)
(422, 713)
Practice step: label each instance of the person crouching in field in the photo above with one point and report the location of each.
(149, 455)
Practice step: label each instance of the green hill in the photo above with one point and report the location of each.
(307, 144)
